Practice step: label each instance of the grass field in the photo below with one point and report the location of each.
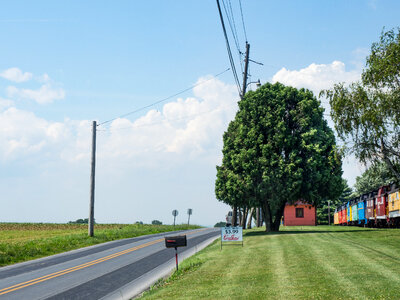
(297, 263)
(20, 242)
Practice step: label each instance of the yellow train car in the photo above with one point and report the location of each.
(336, 218)
(394, 203)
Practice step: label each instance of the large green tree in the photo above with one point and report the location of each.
(367, 113)
(278, 149)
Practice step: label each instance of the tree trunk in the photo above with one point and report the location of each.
(278, 217)
(258, 215)
(250, 218)
(240, 217)
(267, 216)
(234, 216)
(245, 213)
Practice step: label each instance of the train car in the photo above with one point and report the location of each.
(381, 206)
(370, 212)
(354, 212)
(394, 206)
(361, 209)
(336, 217)
(339, 209)
(348, 212)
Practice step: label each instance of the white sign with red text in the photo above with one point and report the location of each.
(231, 234)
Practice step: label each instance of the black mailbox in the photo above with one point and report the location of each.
(175, 241)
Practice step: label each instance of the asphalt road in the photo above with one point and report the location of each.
(114, 270)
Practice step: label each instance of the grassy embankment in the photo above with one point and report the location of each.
(297, 263)
(21, 242)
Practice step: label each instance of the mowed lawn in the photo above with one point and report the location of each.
(25, 241)
(322, 262)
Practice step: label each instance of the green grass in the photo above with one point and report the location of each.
(21, 242)
(297, 263)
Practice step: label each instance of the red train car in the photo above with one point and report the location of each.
(370, 212)
(381, 206)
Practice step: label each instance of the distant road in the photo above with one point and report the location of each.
(114, 270)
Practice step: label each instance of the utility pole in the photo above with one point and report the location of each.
(246, 67)
(190, 211)
(329, 212)
(92, 181)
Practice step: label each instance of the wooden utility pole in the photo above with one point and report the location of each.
(246, 67)
(329, 212)
(92, 181)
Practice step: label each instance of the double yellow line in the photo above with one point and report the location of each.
(79, 267)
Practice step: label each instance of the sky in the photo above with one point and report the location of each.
(66, 64)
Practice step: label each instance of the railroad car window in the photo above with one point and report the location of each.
(299, 212)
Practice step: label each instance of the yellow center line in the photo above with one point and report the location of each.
(82, 266)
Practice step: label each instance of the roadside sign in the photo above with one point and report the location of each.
(231, 234)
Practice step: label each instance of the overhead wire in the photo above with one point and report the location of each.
(162, 100)
(232, 24)
(232, 63)
(170, 120)
(241, 13)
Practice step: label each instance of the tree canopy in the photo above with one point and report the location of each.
(374, 177)
(367, 113)
(323, 207)
(278, 149)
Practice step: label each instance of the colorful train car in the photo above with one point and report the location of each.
(361, 210)
(336, 217)
(354, 212)
(381, 206)
(370, 213)
(348, 212)
(394, 206)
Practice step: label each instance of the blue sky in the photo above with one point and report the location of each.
(65, 64)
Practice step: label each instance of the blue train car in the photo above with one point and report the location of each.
(361, 207)
(348, 206)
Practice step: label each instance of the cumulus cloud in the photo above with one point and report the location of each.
(45, 94)
(317, 77)
(183, 128)
(5, 103)
(16, 75)
(187, 127)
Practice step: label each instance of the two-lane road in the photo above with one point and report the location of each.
(113, 270)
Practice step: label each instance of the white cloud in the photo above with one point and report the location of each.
(5, 103)
(317, 77)
(16, 75)
(185, 128)
(45, 94)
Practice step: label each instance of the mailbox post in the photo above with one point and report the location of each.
(175, 242)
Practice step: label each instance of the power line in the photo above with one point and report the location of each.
(162, 100)
(229, 49)
(232, 24)
(231, 20)
(241, 13)
(172, 120)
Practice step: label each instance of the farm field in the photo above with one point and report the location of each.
(322, 262)
(25, 241)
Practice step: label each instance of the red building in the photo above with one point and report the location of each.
(299, 214)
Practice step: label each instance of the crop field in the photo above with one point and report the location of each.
(24, 241)
(322, 262)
